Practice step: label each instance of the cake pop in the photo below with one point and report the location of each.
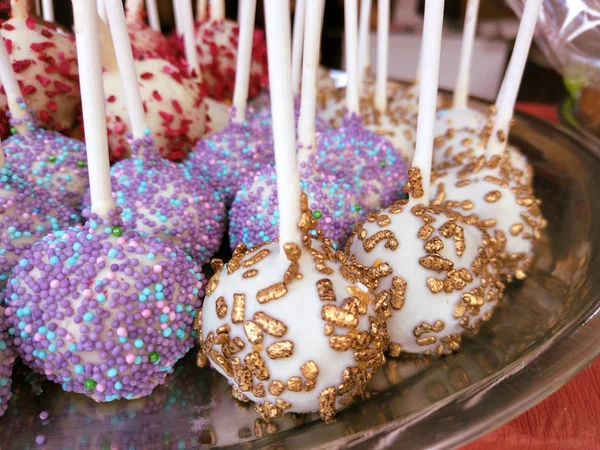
(443, 276)
(217, 43)
(159, 197)
(7, 360)
(239, 150)
(290, 328)
(173, 101)
(500, 194)
(147, 42)
(51, 161)
(44, 60)
(255, 212)
(99, 309)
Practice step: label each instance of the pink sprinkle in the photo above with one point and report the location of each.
(28, 328)
(130, 358)
(121, 241)
(163, 326)
(166, 310)
(38, 337)
(146, 313)
(100, 388)
(54, 284)
(8, 312)
(87, 293)
(160, 304)
(69, 337)
(99, 259)
(157, 268)
(111, 275)
(172, 315)
(121, 331)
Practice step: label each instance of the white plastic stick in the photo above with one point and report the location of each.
(277, 20)
(48, 10)
(92, 101)
(310, 71)
(187, 22)
(19, 9)
(153, 17)
(244, 58)
(178, 17)
(297, 40)
(12, 89)
(383, 47)
(512, 79)
(364, 29)
(129, 76)
(217, 9)
(38, 8)
(461, 90)
(430, 67)
(201, 13)
(351, 54)
(102, 10)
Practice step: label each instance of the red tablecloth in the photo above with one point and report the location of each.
(567, 420)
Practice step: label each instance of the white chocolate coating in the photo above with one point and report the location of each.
(443, 278)
(218, 115)
(306, 374)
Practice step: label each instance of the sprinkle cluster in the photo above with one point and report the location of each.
(7, 359)
(103, 311)
(254, 214)
(26, 216)
(45, 64)
(167, 201)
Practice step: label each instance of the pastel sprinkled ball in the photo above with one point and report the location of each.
(7, 360)
(103, 311)
(254, 214)
(26, 216)
(228, 157)
(167, 201)
(365, 160)
(53, 162)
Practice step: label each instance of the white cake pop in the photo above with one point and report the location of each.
(116, 308)
(147, 42)
(290, 328)
(44, 60)
(443, 277)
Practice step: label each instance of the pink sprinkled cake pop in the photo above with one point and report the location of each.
(44, 59)
(146, 42)
(102, 310)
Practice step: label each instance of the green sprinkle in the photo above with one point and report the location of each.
(154, 357)
(356, 208)
(382, 164)
(90, 384)
(117, 231)
(317, 214)
(81, 164)
(52, 158)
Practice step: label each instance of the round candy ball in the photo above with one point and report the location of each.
(254, 213)
(444, 277)
(174, 105)
(290, 343)
(103, 311)
(52, 161)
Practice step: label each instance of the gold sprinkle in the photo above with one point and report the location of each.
(212, 283)
(221, 307)
(282, 349)
(232, 346)
(241, 375)
(238, 312)
(425, 232)
(253, 332)
(340, 343)
(273, 292)
(198, 323)
(291, 273)
(397, 292)
(394, 350)
(424, 341)
(270, 325)
(310, 385)
(435, 285)
(462, 183)
(492, 196)
(276, 387)
(268, 411)
(294, 384)
(516, 229)
(436, 262)
(383, 235)
(239, 395)
(414, 185)
(497, 181)
(310, 370)
(216, 264)
(438, 326)
(250, 273)
(434, 245)
(220, 361)
(256, 257)
(259, 390)
(383, 220)
(460, 309)
(283, 404)
(292, 252)
(327, 403)
(339, 316)
(489, 223)
(467, 204)
(257, 366)
(325, 290)
(329, 329)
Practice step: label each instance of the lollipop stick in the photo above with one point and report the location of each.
(244, 59)
(310, 70)
(430, 66)
(297, 39)
(217, 10)
(282, 110)
(153, 17)
(48, 9)
(363, 41)
(129, 77)
(201, 7)
(19, 9)
(383, 45)
(187, 21)
(102, 10)
(38, 8)
(178, 18)
(12, 89)
(512, 79)
(92, 101)
(351, 53)
(461, 91)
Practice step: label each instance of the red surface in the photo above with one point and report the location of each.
(567, 420)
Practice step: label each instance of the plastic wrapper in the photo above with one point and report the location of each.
(568, 32)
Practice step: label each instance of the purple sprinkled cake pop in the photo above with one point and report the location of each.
(7, 359)
(103, 311)
(169, 201)
(51, 161)
(254, 214)
(365, 160)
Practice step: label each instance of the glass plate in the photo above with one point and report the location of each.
(545, 330)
